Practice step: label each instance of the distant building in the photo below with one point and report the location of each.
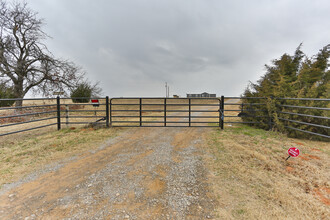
(202, 95)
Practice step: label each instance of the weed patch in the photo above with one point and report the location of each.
(26, 155)
(252, 180)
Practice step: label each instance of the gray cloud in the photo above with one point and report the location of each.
(133, 47)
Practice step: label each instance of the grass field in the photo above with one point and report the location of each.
(252, 179)
(248, 170)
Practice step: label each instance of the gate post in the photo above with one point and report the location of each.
(270, 113)
(140, 112)
(107, 111)
(58, 113)
(221, 111)
(189, 112)
(110, 112)
(165, 112)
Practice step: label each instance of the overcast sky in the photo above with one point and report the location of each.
(134, 46)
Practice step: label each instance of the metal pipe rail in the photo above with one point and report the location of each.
(304, 99)
(26, 122)
(303, 107)
(27, 114)
(230, 97)
(245, 104)
(23, 107)
(308, 132)
(83, 122)
(29, 129)
(304, 123)
(304, 115)
(83, 116)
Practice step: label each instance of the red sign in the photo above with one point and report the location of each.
(293, 152)
(95, 102)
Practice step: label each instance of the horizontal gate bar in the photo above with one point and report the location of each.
(30, 106)
(166, 104)
(304, 123)
(242, 122)
(27, 114)
(164, 122)
(122, 110)
(82, 116)
(29, 129)
(85, 111)
(311, 116)
(248, 110)
(151, 116)
(245, 104)
(25, 122)
(170, 126)
(81, 104)
(309, 132)
(83, 122)
(252, 116)
(195, 98)
(304, 107)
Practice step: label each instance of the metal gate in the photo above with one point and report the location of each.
(166, 112)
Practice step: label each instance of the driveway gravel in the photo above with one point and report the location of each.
(145, 173)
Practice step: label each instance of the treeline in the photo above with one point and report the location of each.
(293, 76)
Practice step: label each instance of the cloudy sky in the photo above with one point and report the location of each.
(132, 47)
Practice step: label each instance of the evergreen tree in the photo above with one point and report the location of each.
(296, 76)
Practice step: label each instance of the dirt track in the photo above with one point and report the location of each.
(145, 173)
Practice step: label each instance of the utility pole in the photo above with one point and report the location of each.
(166, 89)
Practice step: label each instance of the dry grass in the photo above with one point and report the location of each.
(252, 180)
(21, 156)
(249, 173)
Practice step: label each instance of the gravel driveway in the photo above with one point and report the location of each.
(145, 173)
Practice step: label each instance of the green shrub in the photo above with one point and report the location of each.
(6, 93)
(82, 90)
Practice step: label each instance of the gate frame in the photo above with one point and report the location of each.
(165, 104)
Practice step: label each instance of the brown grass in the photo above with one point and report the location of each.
(252, 179)
(25, 154)
(248, 171)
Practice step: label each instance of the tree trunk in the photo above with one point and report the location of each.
(19, 93)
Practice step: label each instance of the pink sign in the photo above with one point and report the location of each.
(293, 152)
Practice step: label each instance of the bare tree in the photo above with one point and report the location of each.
(25, 62)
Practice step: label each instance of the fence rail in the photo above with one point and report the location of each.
(294, 117)
(37, 113)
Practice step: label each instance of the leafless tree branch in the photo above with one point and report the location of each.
(25, 62)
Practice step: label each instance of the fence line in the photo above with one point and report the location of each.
(253, 110)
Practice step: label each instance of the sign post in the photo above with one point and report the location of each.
(96, 104)
(293, 152)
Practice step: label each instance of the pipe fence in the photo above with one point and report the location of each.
(302, 115)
